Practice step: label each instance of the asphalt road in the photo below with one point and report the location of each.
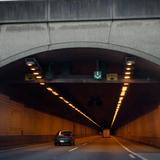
(97, 148)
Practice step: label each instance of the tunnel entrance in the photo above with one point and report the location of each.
(72, 74)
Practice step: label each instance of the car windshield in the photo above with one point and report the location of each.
(66, 133)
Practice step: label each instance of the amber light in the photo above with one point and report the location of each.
(123, 93)
(129, 63)
(39, 77)
(72, 106)
(42, 83)
(29, 64)
(55, 93)
(49, 89)
(32, 69)
(127, 73)
(127, 77)
(124, 88)
(128, 68)
(36, 73)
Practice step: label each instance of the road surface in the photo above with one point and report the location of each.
(96, 148)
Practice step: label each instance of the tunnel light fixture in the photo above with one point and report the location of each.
(36, 73)
(118, 107)
(61, 98)
(39, 77)
(116, 112)
(126, 84)
(124, 88)
(33, 69)
(52, 91)
(83, 114)
(128, 69)
(121, 98)
(42, 83)
(77, 110)
(129, 63)
(119, 102)
(66, 101)
(30, 61)
(55, 93)
(49, 89)
(29, 64)
(127, 75)
(72, 106)
(123, 93)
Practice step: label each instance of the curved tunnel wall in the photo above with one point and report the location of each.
(144, 129)
(136, 37)
(21, 125)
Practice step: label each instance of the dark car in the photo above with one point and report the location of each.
(64, 137)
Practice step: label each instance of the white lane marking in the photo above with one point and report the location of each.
(132, 156)
(73, 149)
(128, 150)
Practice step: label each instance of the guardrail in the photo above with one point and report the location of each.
(77, 10)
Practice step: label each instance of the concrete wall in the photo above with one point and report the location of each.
(20, 125)
(145, 129)
(76, 10)
(137, 37)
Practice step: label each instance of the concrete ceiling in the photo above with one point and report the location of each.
(98, 100)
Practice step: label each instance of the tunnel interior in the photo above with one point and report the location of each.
(71, 73)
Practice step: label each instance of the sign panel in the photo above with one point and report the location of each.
(29, 77)
(112, 77)
(98, 75)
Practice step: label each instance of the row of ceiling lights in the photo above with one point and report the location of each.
(36, 70)
(127, 76)
(55, 93)
(37, 73)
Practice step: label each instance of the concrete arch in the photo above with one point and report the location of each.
(137, 37)
(68, 45)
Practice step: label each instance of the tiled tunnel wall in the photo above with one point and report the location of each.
(145, 129)
(20, 125)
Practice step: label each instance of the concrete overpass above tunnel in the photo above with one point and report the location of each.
(29, 27)
(70, 48)
(136, 37)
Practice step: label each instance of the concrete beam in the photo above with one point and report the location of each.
(79, 32)
(15, 39)
(139, 38)
(23, 11)
(139, 35)
(16, 11)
